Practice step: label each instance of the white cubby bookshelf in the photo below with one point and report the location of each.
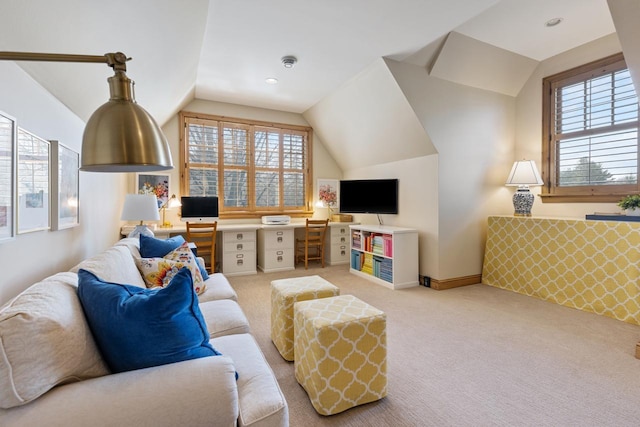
(386, 255)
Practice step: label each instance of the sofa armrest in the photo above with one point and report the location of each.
(194, 392)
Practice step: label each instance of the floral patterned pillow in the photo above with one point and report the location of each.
(158, 272)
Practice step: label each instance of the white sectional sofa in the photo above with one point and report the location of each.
(52, 373)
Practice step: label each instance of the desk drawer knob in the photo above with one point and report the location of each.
(279, 239)
(239, 255)
(239, 262)
(239, 236)
(239, 246)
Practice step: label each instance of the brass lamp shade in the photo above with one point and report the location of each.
(121, 136)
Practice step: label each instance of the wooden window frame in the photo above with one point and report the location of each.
(250, 211)
(593, 193)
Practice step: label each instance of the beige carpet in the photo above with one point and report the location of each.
(473, 356)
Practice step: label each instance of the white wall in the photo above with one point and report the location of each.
(417, 204)
(324, 166)
(472, 130)
(33, 256)
(528, 137)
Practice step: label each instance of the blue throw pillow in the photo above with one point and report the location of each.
(137, 328)
(151, 247)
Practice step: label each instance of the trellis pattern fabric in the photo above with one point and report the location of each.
(284, 293)
(341, 352)
(589, 265)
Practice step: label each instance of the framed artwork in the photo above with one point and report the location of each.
(157, 185)
(32, 182)
(328, 193)
(65, 186)
(7, 176)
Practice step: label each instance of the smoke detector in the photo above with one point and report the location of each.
(289, 61)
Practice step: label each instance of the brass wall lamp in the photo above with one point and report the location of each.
(120, 136)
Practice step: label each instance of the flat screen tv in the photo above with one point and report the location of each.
(199, 209)
(375, 196)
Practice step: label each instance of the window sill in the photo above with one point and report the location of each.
(582, 198)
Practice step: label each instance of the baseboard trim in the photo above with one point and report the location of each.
(456, 282)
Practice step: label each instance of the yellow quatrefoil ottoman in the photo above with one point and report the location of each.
(284, 293)
(341, 352)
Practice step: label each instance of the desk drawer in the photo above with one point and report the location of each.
(239, 236)
(339, 254)
(339, 230)
(239, 262)
(339, 239)
(239, 246)
(276, 260)
(278, 239)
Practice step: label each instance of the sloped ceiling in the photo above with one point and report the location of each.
(222, 50)
(368, 121)
(164, 40)
(626, 14)
(470, 62)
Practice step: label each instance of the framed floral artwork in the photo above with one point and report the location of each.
(328, 192)
(157, 185)
(32, 182)
(65, 188)
(7, 176)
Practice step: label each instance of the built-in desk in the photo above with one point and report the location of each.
(589, 265)
(235, 245)
(244, 247)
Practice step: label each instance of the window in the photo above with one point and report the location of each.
(590, 120)
(255, 168)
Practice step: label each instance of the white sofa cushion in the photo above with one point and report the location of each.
(45, 341)
(224, 317)
(262, 403)
(217, 287)
(115, 265)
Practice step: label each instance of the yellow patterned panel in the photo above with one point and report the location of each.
(341, 352)
(284, 293)
(589, 265)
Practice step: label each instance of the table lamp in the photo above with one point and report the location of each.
(173, 202)
(140, 207)
(523, 174)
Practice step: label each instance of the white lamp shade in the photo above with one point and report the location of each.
(524, 172)
(173, 202)
(140, 207)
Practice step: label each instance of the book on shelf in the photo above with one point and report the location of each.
(356, 260)
(367, 265)
(356, 239)
(612, 217)
(388, 245)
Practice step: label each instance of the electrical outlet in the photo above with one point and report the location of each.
(424, 280)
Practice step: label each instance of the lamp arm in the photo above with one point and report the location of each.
(117, 60)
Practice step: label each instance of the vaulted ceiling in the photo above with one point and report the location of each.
(223, 50)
